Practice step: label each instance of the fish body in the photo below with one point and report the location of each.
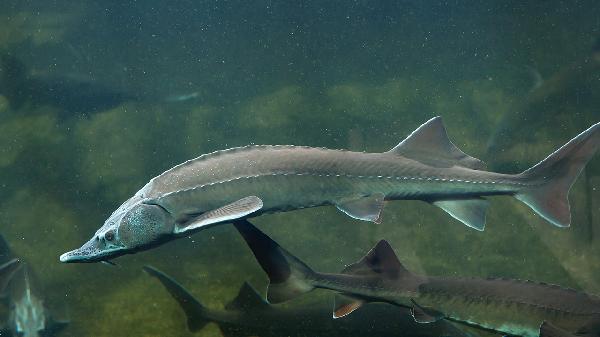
(246, 182)
(249, 314)
(506, 306)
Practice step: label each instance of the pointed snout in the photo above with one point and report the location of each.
(86, 253)
(91, 251)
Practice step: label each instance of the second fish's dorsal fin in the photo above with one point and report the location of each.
(430, 144)
(247, 299)
(380, 261)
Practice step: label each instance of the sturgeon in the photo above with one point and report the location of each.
(28, 315)
(249, 315)
(511, 307)
(249, 181)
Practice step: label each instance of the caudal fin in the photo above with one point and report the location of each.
(551, 179)
(197, 315)
(288, 276)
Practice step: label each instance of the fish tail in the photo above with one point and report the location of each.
(550, 180)
(197, 314)
(288, 276)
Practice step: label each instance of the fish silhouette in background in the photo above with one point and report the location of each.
(512, 307)
(576, 82)
(28, 316)
(71, 96)
(249, 315)
(249, 181)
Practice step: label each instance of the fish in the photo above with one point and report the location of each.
(70, 95)
(178, 98)
(570, 85)
(246, 182)
(507, 306)
(249, 315)
(28, 316)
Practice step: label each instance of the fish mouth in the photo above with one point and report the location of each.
(91, 252)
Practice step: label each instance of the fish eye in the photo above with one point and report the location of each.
(110, 235)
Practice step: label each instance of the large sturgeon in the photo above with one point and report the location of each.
(245, 182)
(512, 307)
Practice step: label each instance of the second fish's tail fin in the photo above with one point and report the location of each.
(550, 180)
(197, 315)
(288, 276)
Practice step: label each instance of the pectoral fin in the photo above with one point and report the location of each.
(344, 305)
(424, 315)
(471, 212)
(235, 210)
(365, 208)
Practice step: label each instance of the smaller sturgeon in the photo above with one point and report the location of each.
(513, 307)
(249, 315)
(249, 181)
(28, 316)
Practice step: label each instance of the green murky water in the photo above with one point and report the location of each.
(199, 76)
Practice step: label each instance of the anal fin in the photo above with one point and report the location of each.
(344, 305)
(235, 210)
(471, 212)
(549, 330)
(365, 208)
(424, 315)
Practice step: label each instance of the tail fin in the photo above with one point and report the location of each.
(288, 276)
(552, 177)
(197, 315)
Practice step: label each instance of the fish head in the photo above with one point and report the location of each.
(134, 227)
(28, 313)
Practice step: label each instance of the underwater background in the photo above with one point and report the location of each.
(512, 80)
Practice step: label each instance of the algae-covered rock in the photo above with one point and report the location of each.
(124, 147)
(275, 110)
(19, 133)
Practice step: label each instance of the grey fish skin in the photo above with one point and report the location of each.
(248, 314)
(247, 182)
(28, 316)
(512, 307)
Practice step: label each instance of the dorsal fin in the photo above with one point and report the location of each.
(247, 299)
(430, 145)
(380, 261)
